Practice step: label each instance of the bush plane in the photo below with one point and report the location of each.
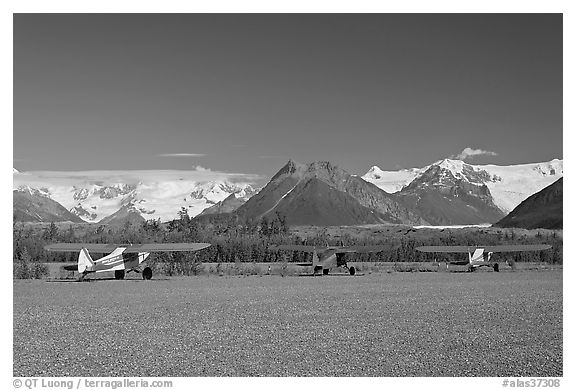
(325, 258)
(121, 258)
(480, 256)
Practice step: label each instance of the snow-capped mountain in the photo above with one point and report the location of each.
(446, 192)
(31, 205)
(391, 181)
(157, 196)
(322, 194)
(508, 185)
(451, 194)
(214, 192)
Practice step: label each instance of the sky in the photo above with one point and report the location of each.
(244, 93)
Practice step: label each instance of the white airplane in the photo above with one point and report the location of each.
(325, 258)
(480, 256)
(121, 258)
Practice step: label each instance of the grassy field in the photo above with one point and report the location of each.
(380, 324)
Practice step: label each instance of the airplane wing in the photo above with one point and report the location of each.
(169, 247)
(76, 247)
(488, 248)
(336, 249)
(134, 248)
(362, 249)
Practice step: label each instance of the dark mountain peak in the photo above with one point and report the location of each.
(321, 166)
(323, 170)
(290, 169)
(327, 172)
(229, 198)
(228, 205)
(126, 213)
(35, 206)
(322, 193)
(543, 209)
(314, 202)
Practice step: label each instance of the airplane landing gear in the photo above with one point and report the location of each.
(147, 273)
(119, 274)
(352, 271)
(496, 267)
(325, 271)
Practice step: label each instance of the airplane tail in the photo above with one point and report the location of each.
(478, 255)
(84, 260)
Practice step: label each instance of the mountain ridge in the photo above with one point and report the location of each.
(543, 209)
(446, 192)
(31, 205)
(336, 196)
(509, 185)
(95, 199)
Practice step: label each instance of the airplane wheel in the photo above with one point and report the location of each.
(352, 271)
(119, 274)
(471, 269)
(325, 271)
(496, 267)
(147, 273)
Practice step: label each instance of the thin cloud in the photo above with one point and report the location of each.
(181, 155)
(239, 146)
(80, 178)
(470, 153)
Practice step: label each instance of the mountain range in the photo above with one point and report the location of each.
(452, 192)
(447, 192)
(32, 205)
(321, 193)
(508, 185)
(96, 200)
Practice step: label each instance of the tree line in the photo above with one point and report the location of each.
(234, 240)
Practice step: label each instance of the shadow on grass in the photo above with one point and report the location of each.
(102, 280)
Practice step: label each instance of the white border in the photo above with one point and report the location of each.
(309, 6)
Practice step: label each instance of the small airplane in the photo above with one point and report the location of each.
(480, 256)
(324, 258)
(121, 258)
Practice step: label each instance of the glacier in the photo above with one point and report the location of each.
(94, 195)
(508, 184)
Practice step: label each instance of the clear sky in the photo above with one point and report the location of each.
(243, 93)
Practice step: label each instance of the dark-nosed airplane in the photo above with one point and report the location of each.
(121, 258)
(480, 256)
(324, 258)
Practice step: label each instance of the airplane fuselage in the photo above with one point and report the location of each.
(117, 260)
(120, 258)
(325, 260)
(478, 258)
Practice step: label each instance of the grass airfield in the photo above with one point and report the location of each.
(380, 324)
